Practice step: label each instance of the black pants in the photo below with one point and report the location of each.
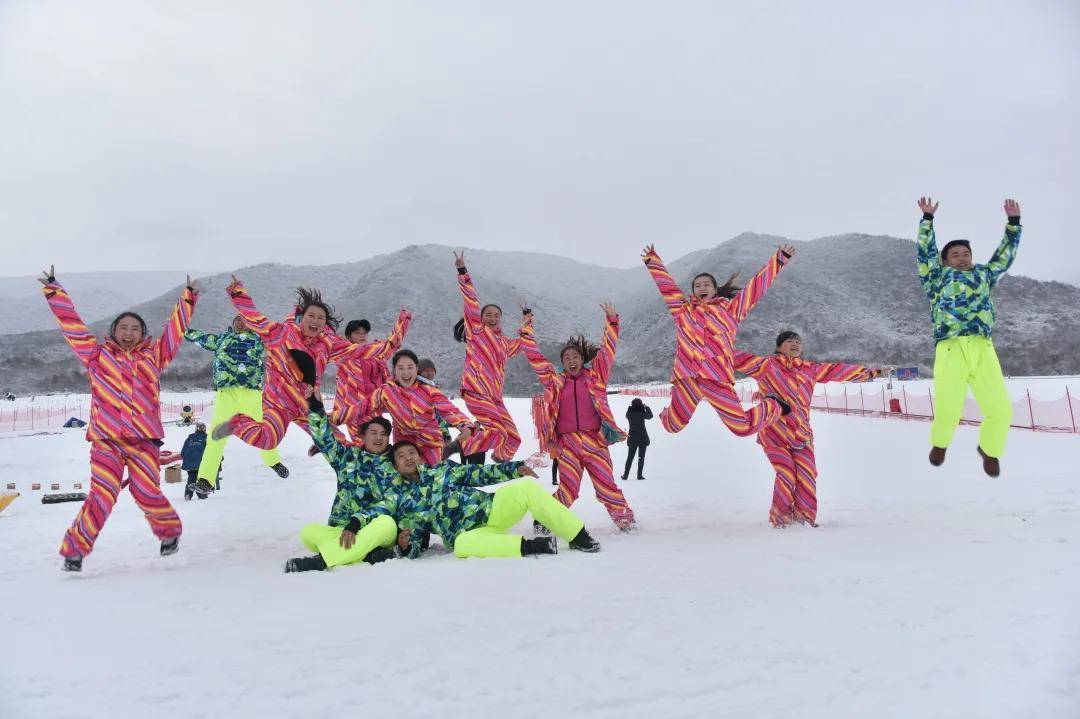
(631, 449)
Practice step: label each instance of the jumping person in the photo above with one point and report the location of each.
(487, 351)
(962, 313)
(125, 416)
(238, 372)
(575, 419)
(638, 439)
(789, 443)
(705, 327)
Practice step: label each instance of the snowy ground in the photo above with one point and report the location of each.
(925, 593)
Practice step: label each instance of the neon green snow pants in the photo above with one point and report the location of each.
(326, 540)
(511, 503)
(960, 362)
(227, 402)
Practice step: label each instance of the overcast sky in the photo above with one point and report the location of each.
(148, 135)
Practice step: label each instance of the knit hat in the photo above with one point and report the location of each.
(357, 325)
(424, 364)
(953, 243)
(787, 335)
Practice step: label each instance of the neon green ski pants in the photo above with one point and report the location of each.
(227, 402)
(326, 540)
(511, 503)
(959, 363)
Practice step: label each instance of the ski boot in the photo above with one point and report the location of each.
(281, 470)
(937, 456)
(305, 564)
(991, 465)
(170, 546)
(72, 564)
(583, 542)
(538, 545)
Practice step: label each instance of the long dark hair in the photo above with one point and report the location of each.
(583, 346)
(311, 297)
(728, 290)
(459, 326)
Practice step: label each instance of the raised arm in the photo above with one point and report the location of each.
(204, 339)
(926, 249)
(342, 349)
(245, 306)
(322, 434)
(1004, 255)
(468, 295)
(481, 475)
(759, 284)
(516, 346)
(545, 371)
(172, 333)
(840, 372)
(669, 290)
(748, 364)
(605, 358)
(75, 331)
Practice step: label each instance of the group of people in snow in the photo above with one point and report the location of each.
(396, 483)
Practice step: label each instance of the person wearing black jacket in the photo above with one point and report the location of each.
(638, 438)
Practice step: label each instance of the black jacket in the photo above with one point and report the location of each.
(638, 434)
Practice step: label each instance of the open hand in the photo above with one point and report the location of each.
(403, 539)
(927, 205)
(788, 250)
(347, 539)
(609, 310)
(1012, 208)
(648, 252)
(47, 276)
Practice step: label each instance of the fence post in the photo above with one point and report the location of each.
(905, 408)
(930, 395)
(825, 391)
(884, 404)
(845, 400)
(1031, 412)
(862, 400)
(1068, 399)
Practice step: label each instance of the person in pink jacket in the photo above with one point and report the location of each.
(487, 351)
(789, 443)
(311, 330)
(358, 378)
(125, 429)
(705, 327)
(575, 422)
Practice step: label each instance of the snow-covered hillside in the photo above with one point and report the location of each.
(924, 593)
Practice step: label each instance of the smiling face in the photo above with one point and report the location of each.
(572, 360)
(491, 316)
(791, 347)
(376, 438)
(358, 337)
(959, 258)
(704, 287)
(405, 371)
(406, 460)
(128, 333)
(313, 321)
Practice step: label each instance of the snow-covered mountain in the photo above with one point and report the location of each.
(852, 297)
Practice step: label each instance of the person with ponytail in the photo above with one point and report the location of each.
(358, 377)
(705, 327)
(574, 421)
(417, 407)
(310, 331)
(487, 350)
(125, 429)
(789, 442)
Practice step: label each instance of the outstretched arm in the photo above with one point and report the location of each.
(481, 475)
(322, 434)
(172, 333)
(257, 321)
(468, 295)
(840, 372)
(545, 371)
(381, 351)
(205, 340)
(517, 346)
(669, 290)
(759, 284)
(605, 358)
(748, 364)
(926, 248)
(75, 331)
(1003, 257)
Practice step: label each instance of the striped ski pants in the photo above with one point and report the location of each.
(581, 452)
(687, 393)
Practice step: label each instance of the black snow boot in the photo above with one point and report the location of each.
(189, 492)
(785, 408)
(540, 530)
(72, 564)
(203, 489)
(538, 545)
(937, 456)
(380, 554)
(170, 546)
(280, 469)
(583, 542)
(990, 464)
(306, 564)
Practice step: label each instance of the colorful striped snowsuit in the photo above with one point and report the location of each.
(358, 377)
(487, 350)
(413, 411)
(579, 452)
(125, 419)
(789, 442)
(283, 399)
(704, 336)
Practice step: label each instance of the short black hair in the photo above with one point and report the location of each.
(381, 421)
(357, 325)
(403, 443)
(787, 335)
(404, 353)
(122, 315)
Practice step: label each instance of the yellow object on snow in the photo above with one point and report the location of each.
(6, 498)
